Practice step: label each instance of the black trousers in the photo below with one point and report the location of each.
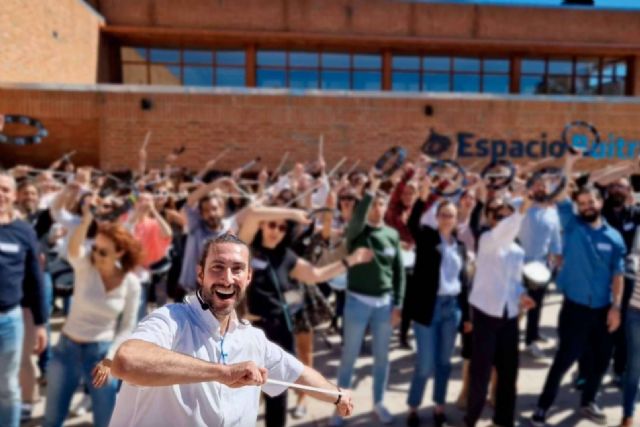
(620, 339)
(533, 315)
(405, 324)
(276, 331)
(581, 330)
(494, 343)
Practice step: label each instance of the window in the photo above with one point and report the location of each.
(445, 74)
(183, 67)
(319, 70)
(577, 75)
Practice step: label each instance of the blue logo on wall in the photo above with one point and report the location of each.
(578, 135)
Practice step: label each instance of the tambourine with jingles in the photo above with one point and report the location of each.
(555, 181)
(395, 156)
(578, 128)
(451, 171)
(498, 174)
(41, 131)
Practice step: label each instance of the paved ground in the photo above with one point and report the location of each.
(531, 378)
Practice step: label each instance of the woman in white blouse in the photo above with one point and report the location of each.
(103, 313)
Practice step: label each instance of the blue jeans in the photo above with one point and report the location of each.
(11, 336)
(72, 361)
(45, 356)
(435, 347)
(357, 316)
(632, 372)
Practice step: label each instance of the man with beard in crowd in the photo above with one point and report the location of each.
(197, 363)
(205, 220)
(591, 279)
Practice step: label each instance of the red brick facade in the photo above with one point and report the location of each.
(107, 126)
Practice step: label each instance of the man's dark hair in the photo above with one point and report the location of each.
(223, 238)
(27, 183)
(587, 189)
(209, 197)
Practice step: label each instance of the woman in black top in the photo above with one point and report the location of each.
(437, 298)
(273, 296)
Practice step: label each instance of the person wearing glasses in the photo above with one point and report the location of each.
(274, 297)
(436, 300)
(496, 298)
(102, 314)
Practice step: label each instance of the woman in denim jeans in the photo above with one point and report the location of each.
(631, 380)
(437, 298)
(103, 313)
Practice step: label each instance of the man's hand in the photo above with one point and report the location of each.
(467, 327)
(244, 374)
(41, 339)
(613, 319)
(360, 256)
(345, 407)
(396, 317)
(101, 373)
(526, 302)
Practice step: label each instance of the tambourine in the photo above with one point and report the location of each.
(436, 144)
(459, 176)
(498, 181)
(41, 131)
(554, 173)
(585, 127)
(310, 243)
(125, 207)
(400, 157)
(536, 274)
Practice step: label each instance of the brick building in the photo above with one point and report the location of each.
(266, 77)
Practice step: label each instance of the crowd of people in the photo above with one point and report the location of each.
(262, 260)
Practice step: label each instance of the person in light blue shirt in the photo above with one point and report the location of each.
(591, 280)
(539, 236)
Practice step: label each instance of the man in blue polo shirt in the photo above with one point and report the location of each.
(591, 279)
(20, 281)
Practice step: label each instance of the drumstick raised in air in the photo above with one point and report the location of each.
(305, 387)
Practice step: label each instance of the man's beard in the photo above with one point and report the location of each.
(539, 196)
(210, 297)
(589, 217)
(214, 222)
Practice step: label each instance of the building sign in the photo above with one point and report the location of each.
(583, 137)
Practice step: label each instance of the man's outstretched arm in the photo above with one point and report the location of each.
(311, 377)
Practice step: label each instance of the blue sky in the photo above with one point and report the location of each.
(616, 4)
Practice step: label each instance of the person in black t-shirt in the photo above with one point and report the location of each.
(274, 296)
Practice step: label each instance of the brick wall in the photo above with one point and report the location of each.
(48, 41)
(106, 125)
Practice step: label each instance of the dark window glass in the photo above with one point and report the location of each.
(367, 61)
(406, 63)
(226, 76)
(561, 66)
(335, 80)
(271, 58)
(271, 78)
(586, 85)
(367, 80)
(436, 82)
(303, 59)
(495, 83)
(165, 55)
(587, 66)
(230, 57)
(466, 83)
(559, 84)
(532, 84)
(495, 65)
(335, 60)
(165, 75)
(436, 63)
(303, 79)
(197, 57)
(197, 76)
(466, 64)
(532, 66)
(405, 81)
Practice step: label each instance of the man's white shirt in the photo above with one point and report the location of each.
(188, 329)
(497, 281)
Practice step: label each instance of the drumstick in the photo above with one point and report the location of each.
(321, 147)
(304, 387)
(146, 140)
(337, 166)
(276, 172)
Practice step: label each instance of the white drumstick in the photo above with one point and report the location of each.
(304, 387)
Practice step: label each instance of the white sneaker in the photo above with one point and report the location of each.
(383, 414)
(300, 411)
(535, 351)
(82, 407)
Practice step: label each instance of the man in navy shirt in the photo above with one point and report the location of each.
(591, 279)
(20, 282)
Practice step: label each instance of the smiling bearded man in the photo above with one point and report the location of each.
(197, 364)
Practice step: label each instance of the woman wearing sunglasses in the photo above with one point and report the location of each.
(273, 296)
(102, 315)
(436, 299)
